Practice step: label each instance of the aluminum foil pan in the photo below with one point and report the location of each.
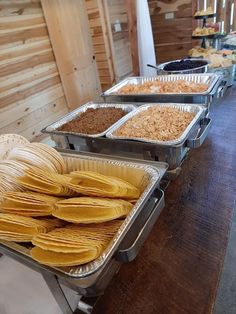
(77, 112)
(146, 177)
(198, 110)
(208, 78)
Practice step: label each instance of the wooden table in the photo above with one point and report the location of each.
(179, 267)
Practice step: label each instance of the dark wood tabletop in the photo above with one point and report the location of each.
(179, 266)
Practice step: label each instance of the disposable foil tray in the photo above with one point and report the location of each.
(208, 78)
(197, 110)
(77, 112)
(143, 176)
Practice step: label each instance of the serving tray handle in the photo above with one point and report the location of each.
(219, 88)
(205, 125)
(131, 245)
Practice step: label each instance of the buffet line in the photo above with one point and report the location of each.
(77, 212)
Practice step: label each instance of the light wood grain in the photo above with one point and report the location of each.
(12, 112)
(109, 47)
(22, 37)
(26, 76)
(117, 11)
(68, 27)
(39, 116)
(100, 39)
(31, 93)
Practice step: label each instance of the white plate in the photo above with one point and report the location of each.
(8, 141)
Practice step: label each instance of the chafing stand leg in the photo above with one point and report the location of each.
(56, 290)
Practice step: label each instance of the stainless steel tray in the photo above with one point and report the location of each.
(144, 176)
(199, 112)
(77, 112)
(210, 79)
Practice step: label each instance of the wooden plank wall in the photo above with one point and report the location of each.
(68, 26)
(99, 30)
(112, 47)
(172, 36)
(31, 93)
(117, 12)
(133, 35)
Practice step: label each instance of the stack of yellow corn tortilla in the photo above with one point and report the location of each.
(27, 203)
(23, 229)
(46, 182)
(73, 245)
(91, 209)
(96, 184)
(38, 155)
(34, 183)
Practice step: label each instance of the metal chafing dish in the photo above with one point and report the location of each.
(172, 153)
(216, 86)
(92, 278)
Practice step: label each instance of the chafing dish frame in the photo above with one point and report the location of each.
(95, 284)
(171, 154)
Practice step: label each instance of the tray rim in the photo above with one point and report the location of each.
(125, 81)
(175, 142)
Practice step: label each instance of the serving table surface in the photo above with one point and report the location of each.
(179, 267)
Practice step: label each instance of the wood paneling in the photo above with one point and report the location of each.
(115, 49)
(99, 30)
(117, 14)
(172, 37)
(31, 93)
(67, 22)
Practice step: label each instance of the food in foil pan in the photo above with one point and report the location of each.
(156, 123)
(94, 121)
(96, 201)
(91, 209)
(20, 155)
(159, 87)
(73, 245)
(22, 229)
(28, 203)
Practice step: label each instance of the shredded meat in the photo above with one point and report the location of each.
(159, 87)
(156, 123)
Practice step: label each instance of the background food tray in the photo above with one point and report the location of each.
(209, 79)
(143, 176)
(77, 112)
(197, 110)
